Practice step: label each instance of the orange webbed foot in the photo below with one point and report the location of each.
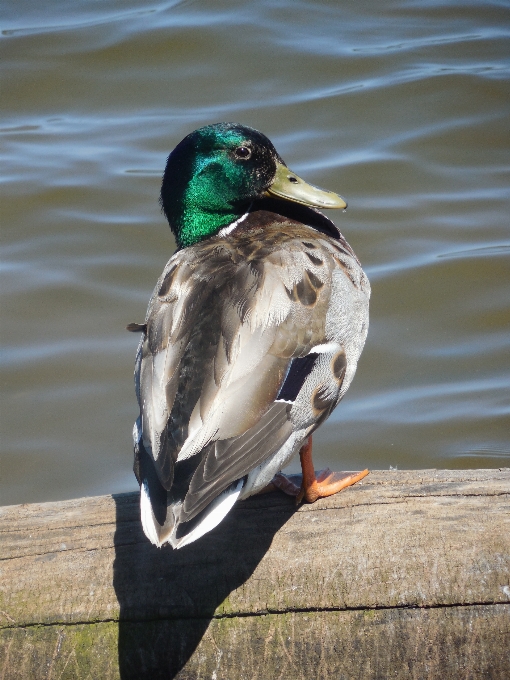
(326, 484)
(313, 487)
(285, 484)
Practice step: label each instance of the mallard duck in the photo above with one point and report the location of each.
(252, 334)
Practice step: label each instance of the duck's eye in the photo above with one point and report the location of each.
(243, 152)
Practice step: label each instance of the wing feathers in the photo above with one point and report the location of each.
(232, 459)
(299, 370)
(226, 347)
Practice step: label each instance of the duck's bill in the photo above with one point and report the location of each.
(291, 187)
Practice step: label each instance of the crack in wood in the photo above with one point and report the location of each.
(265, 612)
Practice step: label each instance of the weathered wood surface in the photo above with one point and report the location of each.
(406, 575)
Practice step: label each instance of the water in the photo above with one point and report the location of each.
(401, 107)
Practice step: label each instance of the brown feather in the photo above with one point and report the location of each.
(227, 318)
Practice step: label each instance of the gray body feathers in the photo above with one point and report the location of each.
(249, 343)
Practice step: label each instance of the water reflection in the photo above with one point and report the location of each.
(403, 109)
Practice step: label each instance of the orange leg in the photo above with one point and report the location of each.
(326, 483)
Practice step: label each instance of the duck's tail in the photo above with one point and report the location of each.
(176, 533)
(160, 513)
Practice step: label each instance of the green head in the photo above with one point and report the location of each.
(216, 172)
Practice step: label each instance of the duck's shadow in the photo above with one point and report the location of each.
(168, 597)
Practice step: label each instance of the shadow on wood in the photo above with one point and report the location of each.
(168, 597)
(406, 575)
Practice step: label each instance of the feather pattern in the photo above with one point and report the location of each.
(251, 339)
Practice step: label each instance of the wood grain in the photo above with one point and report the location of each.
(404, 575)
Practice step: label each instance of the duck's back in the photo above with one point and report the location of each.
(252, 337)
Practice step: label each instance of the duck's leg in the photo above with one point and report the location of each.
(326, 483)
(313, 487)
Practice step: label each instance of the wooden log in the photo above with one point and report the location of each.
(406, 575)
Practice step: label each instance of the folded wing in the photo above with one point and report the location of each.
(223, 329)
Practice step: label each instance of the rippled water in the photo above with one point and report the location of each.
(402, 107)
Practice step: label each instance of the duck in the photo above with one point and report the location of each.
(251, 338)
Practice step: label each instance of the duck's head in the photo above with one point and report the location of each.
(217, 171)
